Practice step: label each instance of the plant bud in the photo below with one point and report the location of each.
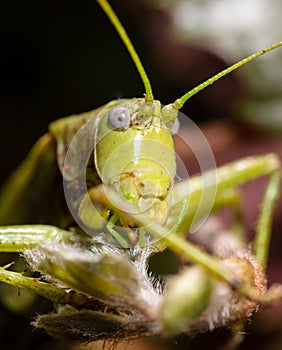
(186, 297)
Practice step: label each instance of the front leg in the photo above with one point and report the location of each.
(20, 237)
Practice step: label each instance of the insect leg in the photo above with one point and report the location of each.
(20, 237)
(263, 231)
(99, 216)
(233, 175)
(182, 212)
(123, 242)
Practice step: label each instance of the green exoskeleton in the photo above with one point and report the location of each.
(118, 172)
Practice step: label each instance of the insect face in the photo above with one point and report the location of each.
(134, 152)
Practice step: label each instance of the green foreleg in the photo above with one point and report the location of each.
(20, 237)
(110, 227)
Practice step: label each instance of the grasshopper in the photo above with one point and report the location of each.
(117, 202)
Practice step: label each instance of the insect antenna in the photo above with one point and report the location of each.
(128, 44)
(180, 102)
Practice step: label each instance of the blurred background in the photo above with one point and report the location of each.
(63, 57)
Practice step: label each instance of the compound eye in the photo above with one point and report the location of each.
(175, 127)
(119, 117)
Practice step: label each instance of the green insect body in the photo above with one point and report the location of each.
(117, 174)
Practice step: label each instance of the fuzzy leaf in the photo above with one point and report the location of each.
(109, 277)
(87, 325)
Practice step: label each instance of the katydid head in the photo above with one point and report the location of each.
(134, 152)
